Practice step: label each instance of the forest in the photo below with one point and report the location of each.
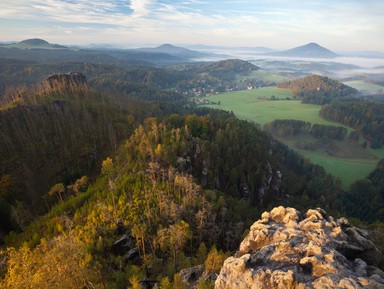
(365, 116)
(318, 89)
(289, 127)
(191, 79)
(121, 181)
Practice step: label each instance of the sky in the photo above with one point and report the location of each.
(339, 25)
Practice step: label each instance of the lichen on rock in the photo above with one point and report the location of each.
(288, 249)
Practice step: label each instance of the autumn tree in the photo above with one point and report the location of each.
(59, 263)
(79, 185)
(215, 260)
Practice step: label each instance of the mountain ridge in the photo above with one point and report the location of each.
(35, 43)
(174, 51)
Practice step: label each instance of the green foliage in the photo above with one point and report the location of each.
(289, 127)
(329, 131)
(201, 254)
(318, 89)
(58, 190)
(176, 186)
(367, 117)
(365, 198)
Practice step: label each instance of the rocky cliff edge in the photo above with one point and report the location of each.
(288, 249)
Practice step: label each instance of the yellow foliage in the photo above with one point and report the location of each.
(215, 260)
(107, 166)
(58, 263)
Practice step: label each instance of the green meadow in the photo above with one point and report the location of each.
(256, 106)
(347, 170)
(362, 85)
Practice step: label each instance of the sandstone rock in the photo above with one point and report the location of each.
(190, 275)
(66, 80)
(287, 249)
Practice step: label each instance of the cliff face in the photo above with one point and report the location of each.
(66, 80)
(287, 249)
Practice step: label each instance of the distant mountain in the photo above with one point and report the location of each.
(35, 43)
(175, 51)
(310, 50)
(370, 54)
(260, 49)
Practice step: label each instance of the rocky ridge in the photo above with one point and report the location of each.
(288, 249)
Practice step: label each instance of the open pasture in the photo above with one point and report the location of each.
(256, 106)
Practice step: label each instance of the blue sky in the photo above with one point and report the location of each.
(341, 25)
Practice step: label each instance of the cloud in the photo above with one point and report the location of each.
(140, 7)
(243, 22)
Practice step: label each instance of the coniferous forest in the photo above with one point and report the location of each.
(111, 177)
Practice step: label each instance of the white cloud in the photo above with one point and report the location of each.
(244, 22)
(140, 7)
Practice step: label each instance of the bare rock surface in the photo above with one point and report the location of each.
(288, 249)
(66, 80)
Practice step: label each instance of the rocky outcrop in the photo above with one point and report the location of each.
(288, 249)
(66, 80)
(191, 275)
(270, 185)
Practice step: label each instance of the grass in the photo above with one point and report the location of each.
(361, 85)
(379, 153)
(253, 105)
(353, 162)
(349, 163)
(347, 170)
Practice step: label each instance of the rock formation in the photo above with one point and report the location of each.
(66, 80)
(287, 249)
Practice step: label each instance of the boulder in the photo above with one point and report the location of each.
(288, 249)
(190, 275)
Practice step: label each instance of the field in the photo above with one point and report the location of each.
(347, 170)
(256, 105)
(365, 86)
(351, 163)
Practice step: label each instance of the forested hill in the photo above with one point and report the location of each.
(178, 191)
(118, 77)
(119, 190)
(318, 89)
(61, 130)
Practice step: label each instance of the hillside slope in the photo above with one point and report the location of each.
(318, 89)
